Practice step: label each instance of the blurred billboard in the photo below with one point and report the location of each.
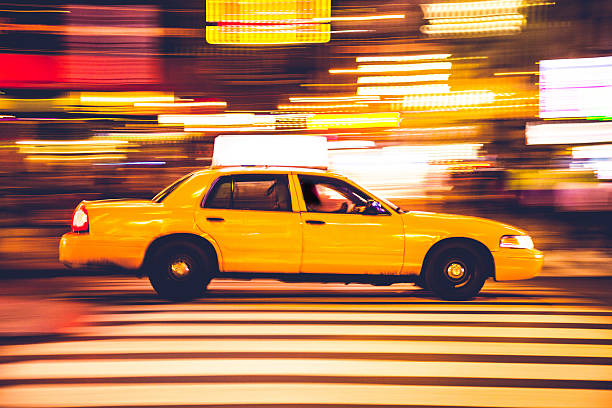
(268, 21)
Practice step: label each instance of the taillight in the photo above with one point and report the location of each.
(80, 220)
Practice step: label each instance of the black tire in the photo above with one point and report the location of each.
(456, 272)
(420, 282)
(180, 270)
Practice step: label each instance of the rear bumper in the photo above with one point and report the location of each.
(82, 250)
(515, 264)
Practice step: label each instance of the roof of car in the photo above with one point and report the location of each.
(266, 169)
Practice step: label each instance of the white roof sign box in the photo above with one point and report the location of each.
(270, 150)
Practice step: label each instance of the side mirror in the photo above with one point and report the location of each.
(373, 207)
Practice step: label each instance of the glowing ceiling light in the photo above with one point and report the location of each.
(402, 78)
(402, 90)
(426, 66)
(402, 58)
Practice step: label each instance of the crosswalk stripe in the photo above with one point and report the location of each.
(350, 305)
(154, 395)
(178, 330)
(245, 316)
(297, 367)
(126, 346)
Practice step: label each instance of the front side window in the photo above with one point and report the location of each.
(251, 192)
(327, 195)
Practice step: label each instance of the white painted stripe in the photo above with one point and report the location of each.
(348, 317)
(299, 367)
(55, 396)
(354, 330)
(127, 346)
(349, 305)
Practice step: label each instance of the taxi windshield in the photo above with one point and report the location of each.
(161, 196)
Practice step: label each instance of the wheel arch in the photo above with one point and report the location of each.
(464, 242)
(206, 245)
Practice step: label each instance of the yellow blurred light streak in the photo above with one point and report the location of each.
(329, 85)
(387, 100)
(516, 73)
(331, 98)
(343, 71)
(509, 25)
(178, 104)
(68, 142)
(231, 129)
(402, 58)
(457, 98)
(489, 19)
(317, 107)
(471, 9)
(76, 158)
(151, 136)
(402, 78)
(125, 97)
(228, 119)
(426, 66)
(358, 18)
(403, 90)
(352, 121)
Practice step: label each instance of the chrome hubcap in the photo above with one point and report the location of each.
(455, 271)
(179, 268)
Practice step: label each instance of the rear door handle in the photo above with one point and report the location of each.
(214, 219)
(316, 222)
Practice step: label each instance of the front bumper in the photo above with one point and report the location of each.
(515, 264)
(82, 250)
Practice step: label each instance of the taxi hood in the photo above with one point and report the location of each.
(444, 226)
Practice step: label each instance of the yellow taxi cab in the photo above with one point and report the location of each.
(291, 224)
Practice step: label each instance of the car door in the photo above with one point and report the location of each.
(339, 236)
(251, 218)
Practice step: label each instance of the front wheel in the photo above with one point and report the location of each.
(456, 273)
(180, 271)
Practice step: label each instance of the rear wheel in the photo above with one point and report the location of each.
(180, 271)
(456, 272)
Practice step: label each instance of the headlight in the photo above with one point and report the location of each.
(516, 241)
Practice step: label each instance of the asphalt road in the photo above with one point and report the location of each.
(110, 342)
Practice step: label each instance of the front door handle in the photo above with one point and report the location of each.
(214, 219)
(315, 222)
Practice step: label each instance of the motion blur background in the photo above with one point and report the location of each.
(499, 108)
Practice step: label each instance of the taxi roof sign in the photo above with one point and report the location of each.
(271, 150)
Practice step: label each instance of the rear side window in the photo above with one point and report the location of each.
(262, 192)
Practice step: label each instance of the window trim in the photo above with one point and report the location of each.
(233, 178)
(337, 180)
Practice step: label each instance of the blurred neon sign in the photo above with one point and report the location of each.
(268, 21)
(576, 88)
